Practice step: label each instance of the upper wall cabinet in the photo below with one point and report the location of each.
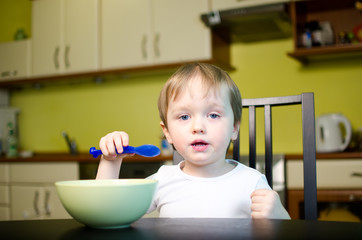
(64, 36)
(15, 60)
(87, 38)
(149, 32)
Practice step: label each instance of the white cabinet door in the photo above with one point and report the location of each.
(81, 35)
(15, 59)
(65, 36)
(148, 32)
(125, 33)
(36, 202)
(4, 192)
(32, 191)
(47, 36)
(179, 33)
(4, 213)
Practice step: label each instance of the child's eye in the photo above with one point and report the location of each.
(184, 117)
(214, 115)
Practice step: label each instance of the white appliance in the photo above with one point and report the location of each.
(333, 133)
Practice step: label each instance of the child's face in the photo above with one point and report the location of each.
(200, 127)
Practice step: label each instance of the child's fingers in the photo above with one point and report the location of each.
(112, 141)
(121, 139)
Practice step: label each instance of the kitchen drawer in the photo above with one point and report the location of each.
(36, 202)
(4, 195)
(331, 174)
(43, 172)
(4, 172)
(4, 213)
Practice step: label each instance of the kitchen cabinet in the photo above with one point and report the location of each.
(135, 36)
(64, 36)
(4, 192)
(15, 60)
(31, 191)
(343, 16)
(36, 202)
(339, 182)
(230, 4)
(151, 32)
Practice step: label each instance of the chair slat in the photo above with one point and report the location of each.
(268, 145)
(309, 157)
(252, 137)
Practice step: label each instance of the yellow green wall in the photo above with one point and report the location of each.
(14, 14)
(87, 111)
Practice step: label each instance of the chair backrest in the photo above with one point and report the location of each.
(306, 100)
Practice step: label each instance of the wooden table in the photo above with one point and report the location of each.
(183, 228)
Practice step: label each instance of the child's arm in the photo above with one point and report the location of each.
(265, 203)
(110, 163)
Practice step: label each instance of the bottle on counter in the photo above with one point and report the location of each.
(11, 142)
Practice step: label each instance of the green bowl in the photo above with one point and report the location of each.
(112, 203)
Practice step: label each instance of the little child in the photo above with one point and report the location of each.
(200, 110)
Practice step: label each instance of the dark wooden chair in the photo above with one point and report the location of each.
(306, 100)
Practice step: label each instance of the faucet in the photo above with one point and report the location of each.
(71, 144)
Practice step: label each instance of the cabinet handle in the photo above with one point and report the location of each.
(10, 73)
(356, 174)
(144, 46)
(46, 203)
(35, 203)
(56, 58)
(66, 56)
(156, 44)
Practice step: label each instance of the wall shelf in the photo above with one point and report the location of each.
(342, 16)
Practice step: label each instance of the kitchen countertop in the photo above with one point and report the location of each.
(81, 157)
(86, 157)
(340, 155)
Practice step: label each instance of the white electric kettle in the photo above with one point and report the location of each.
(333, 133)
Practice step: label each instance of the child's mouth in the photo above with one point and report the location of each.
(199, 145)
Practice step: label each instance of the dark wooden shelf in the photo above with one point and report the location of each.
(306, 55)
(343, 17)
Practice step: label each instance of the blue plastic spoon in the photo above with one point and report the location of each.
(147, 150)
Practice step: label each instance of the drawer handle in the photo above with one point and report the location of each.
(46, 203)
(356, 174)
(55, 58)
(35, 203)
(66, 56)
(156, 45)
(144, 46)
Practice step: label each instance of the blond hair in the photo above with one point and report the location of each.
(212, 78)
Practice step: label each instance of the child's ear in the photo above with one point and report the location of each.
(166, 133)
(235, 132)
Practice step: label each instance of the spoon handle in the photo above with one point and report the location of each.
(96, 152)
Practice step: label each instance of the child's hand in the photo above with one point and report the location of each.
(112, 141)
(266, 203)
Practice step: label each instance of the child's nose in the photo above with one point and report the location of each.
(198, 126)
(198, 130)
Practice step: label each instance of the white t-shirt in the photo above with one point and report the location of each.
(228, 195)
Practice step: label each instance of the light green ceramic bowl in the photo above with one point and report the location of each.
(106, 203)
